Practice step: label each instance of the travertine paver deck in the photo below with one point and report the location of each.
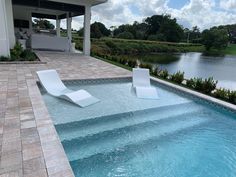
(29, 144)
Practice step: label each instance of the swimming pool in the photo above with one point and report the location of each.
(176, 135)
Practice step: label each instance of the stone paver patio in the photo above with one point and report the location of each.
(29, 143)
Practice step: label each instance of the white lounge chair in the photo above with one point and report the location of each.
(54, 86)
(142, 85)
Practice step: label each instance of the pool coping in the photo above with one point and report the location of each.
(215, 101)
(56, 160)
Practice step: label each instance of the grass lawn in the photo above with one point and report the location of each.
(231, 50)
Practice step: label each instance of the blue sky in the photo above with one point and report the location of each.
(189, 13)
(177, 4)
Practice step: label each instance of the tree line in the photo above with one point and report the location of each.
(165, 28)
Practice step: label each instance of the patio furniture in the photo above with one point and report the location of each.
(55, 87)
(142, 85)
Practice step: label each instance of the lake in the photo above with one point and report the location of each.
(222, 69)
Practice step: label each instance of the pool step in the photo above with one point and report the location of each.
(93, 126)
(108, 141)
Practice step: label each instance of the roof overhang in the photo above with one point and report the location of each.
(64, 8)
(82, 2)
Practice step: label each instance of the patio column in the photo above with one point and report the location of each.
(86, 42)
(30, 23)
(10, 25)
(4, 40)
(69, 35)
(58, 26)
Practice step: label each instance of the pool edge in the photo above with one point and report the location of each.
(210, 99)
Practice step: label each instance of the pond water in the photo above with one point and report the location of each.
(222, 69)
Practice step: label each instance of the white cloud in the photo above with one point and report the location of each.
(203, 13)
(228, 4)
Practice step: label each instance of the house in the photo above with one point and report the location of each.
(16, 23)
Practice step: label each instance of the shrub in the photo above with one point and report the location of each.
(115, 59)
(226, 95)
(16, 51)
(177, 77)
(232, 96)
(132, 63)
(28, 55)
(147, 66)
(157, 37)
(190, 83)
(111, 44)
(122, 61)
(221, 94)
(125, 35)
(198, 84)
(209, 85)
(3, 58)
(206, 86)
(156, 71)
(164, 74)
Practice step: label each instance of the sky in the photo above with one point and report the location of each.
(189, 13)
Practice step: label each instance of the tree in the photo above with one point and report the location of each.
(171, 30)
(154, 23)
(125, 28)
(43, 24)
(125, 35)
(215, 38)
(95, 31)
(102, 28)
(164, 26)
(98, 30)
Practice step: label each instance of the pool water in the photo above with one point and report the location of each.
(174, 136)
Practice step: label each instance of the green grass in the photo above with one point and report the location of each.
(231, 50)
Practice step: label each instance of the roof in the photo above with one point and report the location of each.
(74, 7)
(82, 2)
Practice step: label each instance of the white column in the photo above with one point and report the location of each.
(58, 26)
(69, 35)
(4, 40)
(87, 42)
(30, 23)
(10, 23)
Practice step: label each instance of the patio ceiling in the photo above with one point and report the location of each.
(74, 10)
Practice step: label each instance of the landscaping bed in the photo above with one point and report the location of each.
(19, 55)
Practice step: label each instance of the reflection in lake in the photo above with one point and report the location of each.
(222, 69)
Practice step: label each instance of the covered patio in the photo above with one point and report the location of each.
(16, 17)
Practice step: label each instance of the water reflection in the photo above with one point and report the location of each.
(160, 58)
(222, 69)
